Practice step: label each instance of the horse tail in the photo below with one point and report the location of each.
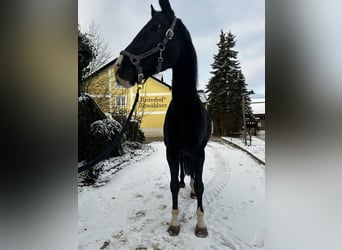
(186, 162)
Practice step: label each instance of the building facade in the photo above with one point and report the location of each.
(258, 108)
(154, 99)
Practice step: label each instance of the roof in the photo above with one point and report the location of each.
(157, 77)
(202, 96)
(258, 106)
(161, 81)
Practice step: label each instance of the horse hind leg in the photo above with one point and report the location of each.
(182, 174)
(192, 185)
(187, 163)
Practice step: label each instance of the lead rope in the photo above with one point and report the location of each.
(117, 139)
(135, 60)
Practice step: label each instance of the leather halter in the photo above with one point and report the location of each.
(136, 59)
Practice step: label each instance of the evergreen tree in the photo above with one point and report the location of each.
(226, 89)
(216, 97)
(86, 53)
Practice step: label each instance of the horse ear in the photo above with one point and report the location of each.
(166, 8)
(153, 11)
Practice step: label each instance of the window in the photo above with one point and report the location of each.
(120, 101)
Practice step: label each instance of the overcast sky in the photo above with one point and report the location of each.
(120, 20)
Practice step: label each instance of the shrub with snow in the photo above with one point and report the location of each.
(133, 132)
(101, 134)
(88, 112)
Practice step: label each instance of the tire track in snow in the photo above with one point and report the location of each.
(149, 204)
(221, 177)
(215, 152)
(214, 210)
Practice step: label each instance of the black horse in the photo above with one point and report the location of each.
(164, 42)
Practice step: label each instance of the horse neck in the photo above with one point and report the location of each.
(184, 76)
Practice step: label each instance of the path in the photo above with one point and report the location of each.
(134, 208)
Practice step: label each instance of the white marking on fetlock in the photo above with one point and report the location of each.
(200, 219)
(174, 219)
(192, 182)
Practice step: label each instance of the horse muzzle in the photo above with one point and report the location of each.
(124, 83)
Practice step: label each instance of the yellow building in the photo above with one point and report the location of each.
(154, 99)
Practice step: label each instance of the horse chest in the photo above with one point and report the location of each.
(183, 123)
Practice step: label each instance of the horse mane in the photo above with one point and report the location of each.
(191, 55)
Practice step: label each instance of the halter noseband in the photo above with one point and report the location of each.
(135, 59)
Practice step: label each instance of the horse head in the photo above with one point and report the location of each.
(155, 48)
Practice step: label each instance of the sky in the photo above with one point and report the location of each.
(120, 20)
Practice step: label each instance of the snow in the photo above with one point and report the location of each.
(82, 98)
(133, 208)
(256, 147)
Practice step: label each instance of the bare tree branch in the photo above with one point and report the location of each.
(103, 54)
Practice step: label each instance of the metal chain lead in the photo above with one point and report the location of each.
(161, 47)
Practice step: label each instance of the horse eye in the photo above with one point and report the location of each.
(154, 27)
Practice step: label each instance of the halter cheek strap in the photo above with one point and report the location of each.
(136, 59)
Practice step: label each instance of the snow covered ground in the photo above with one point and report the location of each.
(133, 208)
(256, 146)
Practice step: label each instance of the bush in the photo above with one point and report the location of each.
(133, 132)
(101, 134)
(88, 112)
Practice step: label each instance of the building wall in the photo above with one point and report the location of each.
(261, 122)
(154, 99)
(258, 108)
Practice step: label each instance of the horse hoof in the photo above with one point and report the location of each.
(193, 195)
(201, 232)
(173, 230)
(182, 185)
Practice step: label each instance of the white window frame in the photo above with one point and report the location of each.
(120, 101)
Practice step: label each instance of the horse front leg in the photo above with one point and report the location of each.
(174, 227)
(201, 228)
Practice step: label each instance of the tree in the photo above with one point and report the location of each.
(100, 46)
(86, 54)
(226, 88)
(102, 56)
(216, 97)
(94, 52)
